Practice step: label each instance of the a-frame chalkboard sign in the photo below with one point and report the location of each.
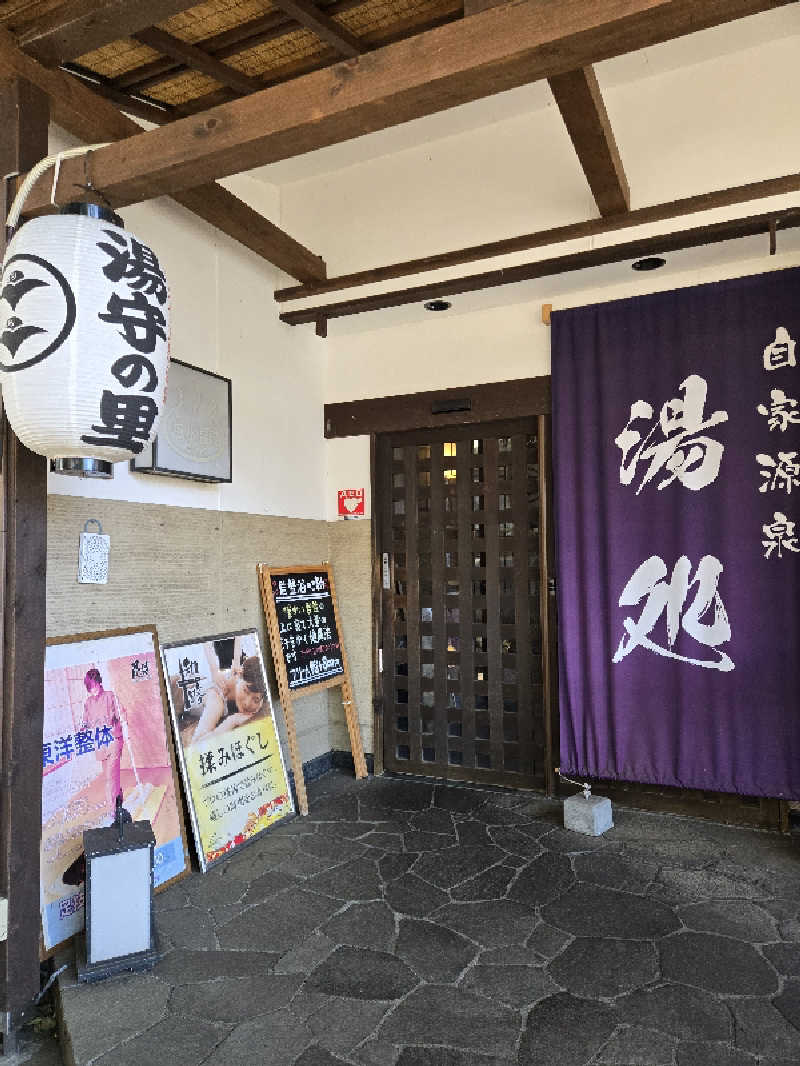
(307, 650)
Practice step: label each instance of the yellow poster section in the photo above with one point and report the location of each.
(238, 786)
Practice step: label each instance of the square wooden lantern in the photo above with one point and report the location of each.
(120, 932)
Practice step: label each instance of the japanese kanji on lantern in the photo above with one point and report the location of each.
(84, 336)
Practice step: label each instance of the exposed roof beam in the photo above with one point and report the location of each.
(87, 116)
(197, 59)
(593, 227)
(496, 50)
(580, 102)
(326, 28)
(79, 26)
(695, 237)
(581, 105)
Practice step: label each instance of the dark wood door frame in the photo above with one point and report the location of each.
(471, 404)
(491, 402)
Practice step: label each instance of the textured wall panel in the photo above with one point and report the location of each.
(191, 572)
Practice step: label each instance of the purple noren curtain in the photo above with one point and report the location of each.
(676, 449)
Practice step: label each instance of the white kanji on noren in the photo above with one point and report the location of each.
(669, 598)
(782, 411)
(780, 352)
(781, 473)
(779, 536)
(683, 451)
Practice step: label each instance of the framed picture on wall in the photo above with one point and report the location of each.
(229, 751)
(106, 731)
(194, 434)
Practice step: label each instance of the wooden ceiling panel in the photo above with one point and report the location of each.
(380, 15)
(257, 38)
(285, 50)
(215, 17)
(185, 87)
(114, 60)
(436, 14)
(333, 33)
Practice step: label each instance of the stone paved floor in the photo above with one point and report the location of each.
(423, 925)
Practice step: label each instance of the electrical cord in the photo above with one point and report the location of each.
(36, 172)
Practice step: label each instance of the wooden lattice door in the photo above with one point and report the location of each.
(459, 536)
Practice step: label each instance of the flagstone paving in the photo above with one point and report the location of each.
(405, 923)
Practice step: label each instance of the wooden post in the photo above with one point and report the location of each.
(348, 699)
(24, 115)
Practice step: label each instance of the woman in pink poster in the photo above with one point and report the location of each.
(103, 715)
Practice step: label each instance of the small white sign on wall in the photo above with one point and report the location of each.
(93, 555)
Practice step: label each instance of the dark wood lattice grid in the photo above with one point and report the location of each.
(459, 512)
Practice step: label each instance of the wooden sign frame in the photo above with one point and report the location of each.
(287, 696)
(242, 830)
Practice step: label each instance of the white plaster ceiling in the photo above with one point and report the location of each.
(681, 54)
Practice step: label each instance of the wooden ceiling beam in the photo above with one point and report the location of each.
(593, 227)
(197, 59)
(79, 110)
(321, 24)
(694, 237)
(79, 26)
(493, 51)
(580, 102)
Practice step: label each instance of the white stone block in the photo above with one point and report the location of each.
(591, 816)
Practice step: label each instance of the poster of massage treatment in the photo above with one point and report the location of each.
(106, 731)
(228, 747)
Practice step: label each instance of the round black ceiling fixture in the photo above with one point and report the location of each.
(653, 262)
(437, 305)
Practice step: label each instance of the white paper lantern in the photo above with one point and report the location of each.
(84, 336)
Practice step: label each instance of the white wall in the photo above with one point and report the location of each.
(224, 319)
(726, 121)
(681, 130)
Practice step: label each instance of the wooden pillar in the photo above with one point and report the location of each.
(24, 115)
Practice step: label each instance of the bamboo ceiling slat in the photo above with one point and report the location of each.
(215, 16)
(262, 60)
(185, 87)
(117, 58)
(378, 15)
(256, 31)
